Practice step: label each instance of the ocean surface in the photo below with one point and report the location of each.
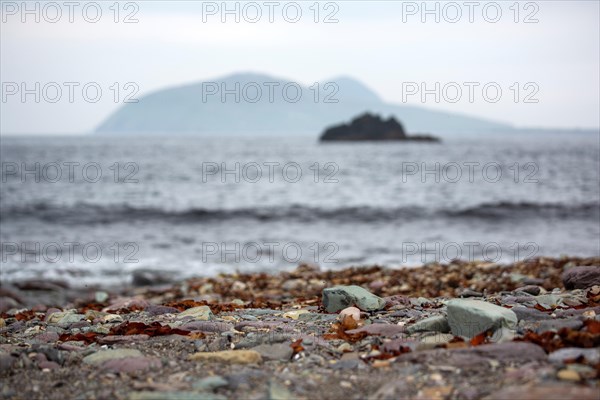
(91, 210)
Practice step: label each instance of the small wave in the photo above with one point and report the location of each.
(83, 213)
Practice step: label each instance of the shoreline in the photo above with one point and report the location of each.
(462, 330)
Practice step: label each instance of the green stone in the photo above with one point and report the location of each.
(339, 297)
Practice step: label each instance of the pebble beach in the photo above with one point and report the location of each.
(461, 330)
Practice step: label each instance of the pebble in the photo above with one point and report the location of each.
(568, 375)
(69, 318)
(112, 318)
(352, 312)
(339, 297)
(201, 313)
(229, 356)
(295, 314)
(100, 296)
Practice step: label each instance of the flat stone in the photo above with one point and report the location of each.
(432, 341)
(339, 297)
(229, 356)
(438, 323)
(573, 353)
(131, 364)
(107, 355)
(472, 317)
(529, 314)
(201, 313)
(207, 326)
(277, 351)
(581, 277)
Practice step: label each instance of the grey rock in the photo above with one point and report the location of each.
(211, 383)
(277, 351)
(257, 312)
(438, 323)
(471, 317)
(313, 317)
(69, 319)
(339, 297)
(581, 277)
(530, 289)
(558, 324)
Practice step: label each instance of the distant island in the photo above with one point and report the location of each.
(192, 109)
(370, 127)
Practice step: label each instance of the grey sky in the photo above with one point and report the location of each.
(171, 45)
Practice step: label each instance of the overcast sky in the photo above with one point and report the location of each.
(384, 44)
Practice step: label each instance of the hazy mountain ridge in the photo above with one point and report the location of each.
(193, 109)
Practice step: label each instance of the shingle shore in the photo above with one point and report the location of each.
(458, 331)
